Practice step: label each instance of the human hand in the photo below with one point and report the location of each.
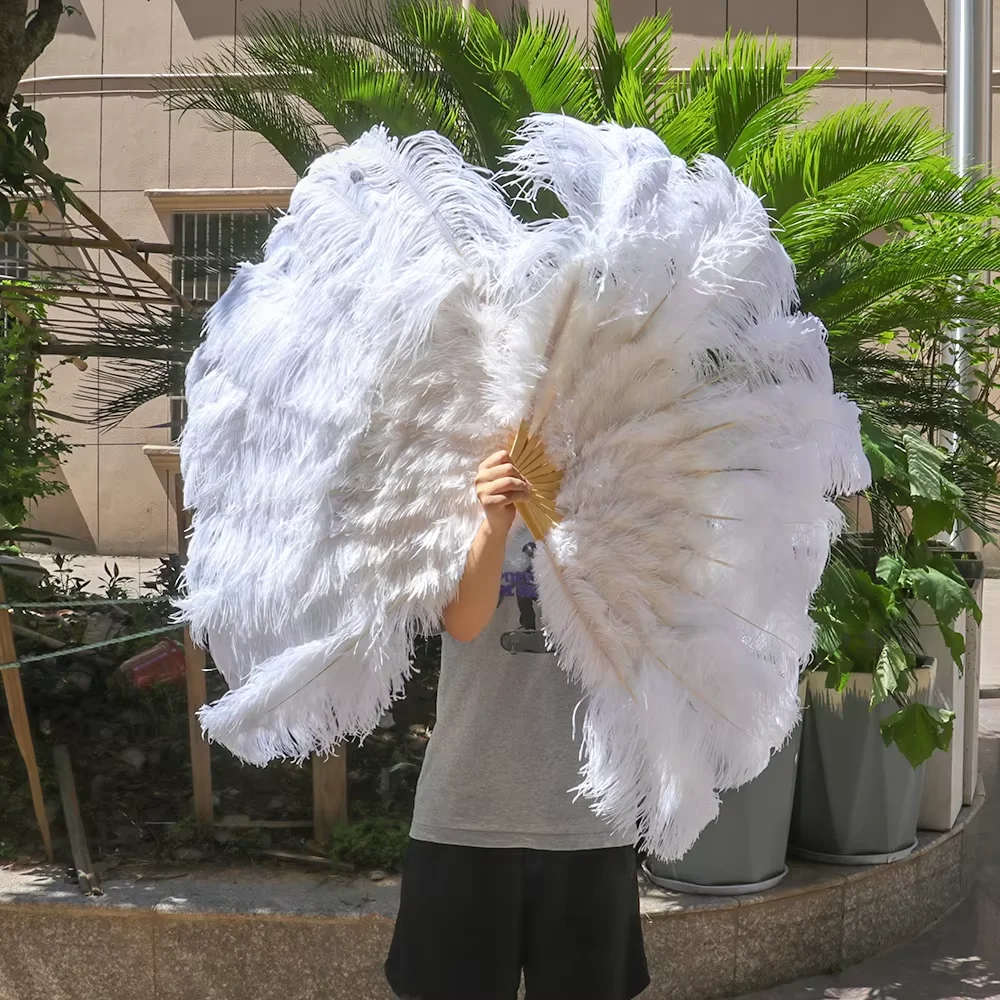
(499, 486)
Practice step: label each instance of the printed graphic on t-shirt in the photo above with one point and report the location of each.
(518, 582)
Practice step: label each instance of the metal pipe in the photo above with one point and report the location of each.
(937, 73)
(969, 121)
(968, 79)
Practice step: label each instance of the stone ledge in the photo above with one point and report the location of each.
(221, 935)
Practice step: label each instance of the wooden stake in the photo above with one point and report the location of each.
(201, 754)
(197, 691)
(21, 725)
(86, 877)
(329, 793)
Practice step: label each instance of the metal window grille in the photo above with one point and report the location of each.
(207, 248)
(13, 255)
(14, 264)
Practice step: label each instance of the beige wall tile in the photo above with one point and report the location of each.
(74, 135)
(628, 13)
(133, 502)
(146, 425)
(832, 97)
(250, 8)
(63, 397)
(77, 45)
(837, 30)
(930, 97)
(765, 17)
(500, 9)
(134, 142)
(698, 24)
(75, 512)
(577, 13)
(906, 33)
(316, 6)
(131, 213)
(59, 951)
(996, 128)
(257, 164)
(136, 36)
(201, 27)
(200, 156)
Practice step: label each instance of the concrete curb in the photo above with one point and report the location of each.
(241, 935)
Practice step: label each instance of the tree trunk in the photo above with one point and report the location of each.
(22, 40)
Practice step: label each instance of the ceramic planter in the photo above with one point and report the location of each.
(743, 851)
(856, 800)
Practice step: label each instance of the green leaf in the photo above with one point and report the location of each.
(923, 465)
(890, 672)
(843, 148)
(947, 595)
(889, 570)
(918, 731)
(955, 642)
(931, 517)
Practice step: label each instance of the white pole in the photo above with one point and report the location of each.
(969, 119)
(968, 113)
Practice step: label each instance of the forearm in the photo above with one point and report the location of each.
(471, 610)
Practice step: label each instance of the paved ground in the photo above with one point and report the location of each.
(989, 677)
(959, 959)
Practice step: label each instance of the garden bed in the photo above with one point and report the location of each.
(130, 752)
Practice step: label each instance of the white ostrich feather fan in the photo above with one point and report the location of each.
(644, 360)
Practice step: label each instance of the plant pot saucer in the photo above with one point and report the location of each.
(852, 859)
(713, 890)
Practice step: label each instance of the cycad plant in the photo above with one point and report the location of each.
(889, 242)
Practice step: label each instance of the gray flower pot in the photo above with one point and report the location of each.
(856, 800)
(743, 851)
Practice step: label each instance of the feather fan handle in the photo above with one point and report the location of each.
(527, 455)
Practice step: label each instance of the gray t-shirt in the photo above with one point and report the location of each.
(502, 757)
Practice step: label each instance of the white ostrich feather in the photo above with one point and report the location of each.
(402, 325)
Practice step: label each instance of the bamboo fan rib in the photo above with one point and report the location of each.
(528, 457)
(676, 422)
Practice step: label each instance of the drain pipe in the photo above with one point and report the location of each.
(969, 120)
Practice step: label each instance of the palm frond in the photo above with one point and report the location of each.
(258, 101)
(754, 100)
(867, 275)
(937, 305)
(817, 230)
(547, 70)
(838, 148)
(632, 75)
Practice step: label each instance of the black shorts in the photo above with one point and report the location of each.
(472, 918)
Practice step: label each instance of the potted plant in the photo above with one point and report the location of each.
(743, 850)
(868, 725)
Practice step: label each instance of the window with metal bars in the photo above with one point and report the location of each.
(13, 255)
(14, 263)
(207, 248)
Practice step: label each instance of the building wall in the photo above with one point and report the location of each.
(109, 133)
